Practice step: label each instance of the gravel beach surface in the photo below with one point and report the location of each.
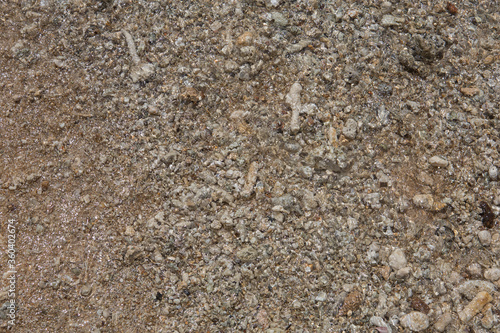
(250, 166)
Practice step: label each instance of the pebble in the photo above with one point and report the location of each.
(247, 253)
(390, 21)
(493, 172)
(469, 92)
(86, 290)
(403, 272)
(279, 19)
(415, 321)
(474, 270)
(251, 179)
(134, 253)
(492, 274)
(444, 320)
(321, 297)
(397, 260)
(245, 39)
(470, 288)
(373, 200)
(484, 237)
(425, 201)
(438, 162)
(419, 305)
(293, 98)
(488, 319)
(350, 128)
(381, 324)
(477, 304)
(352, 302)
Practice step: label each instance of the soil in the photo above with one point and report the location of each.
(250, 166)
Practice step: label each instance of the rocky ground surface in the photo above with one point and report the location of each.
(251, 166)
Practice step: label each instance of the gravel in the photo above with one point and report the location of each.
(251, 166)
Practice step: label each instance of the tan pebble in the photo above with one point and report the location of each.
(415, 321)
(251, 179)
(245, 39)
(482, 298)
(425, 201)
(351, 303)
(443, 321)
(488, 60)
(438, 162)
(469, 91)
(488, 319)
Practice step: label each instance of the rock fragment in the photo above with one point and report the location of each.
(251, 179)
(390, 21)
(86, 290)
(488, 319)
(351, 303)
(397, 260)
(350, 128)
(443, 321)
(493, 172)
(425, 201)
(248, 253)
(472, 287)
(492, 274)
(141, 71)
(438, 162)
(134, 253)
(381, 324)
(476, 305)
(484, 237)
(415, 321)
(293, 99)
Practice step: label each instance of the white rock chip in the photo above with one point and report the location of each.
(415, 321)
(397, 260)
(492, 274)
(439, 162)
(293, 98)
(425, 201)
(380, 323)
(493, 172)
(484, 237)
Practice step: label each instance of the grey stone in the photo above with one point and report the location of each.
(493, 172)
(492, 274)
(415, 321)
(397, 260)
(248, 253)
(390, 21)
(86, 290)
(279, 19)
(484, 237)
(350, 128)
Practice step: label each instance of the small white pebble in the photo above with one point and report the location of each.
(484, 237)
